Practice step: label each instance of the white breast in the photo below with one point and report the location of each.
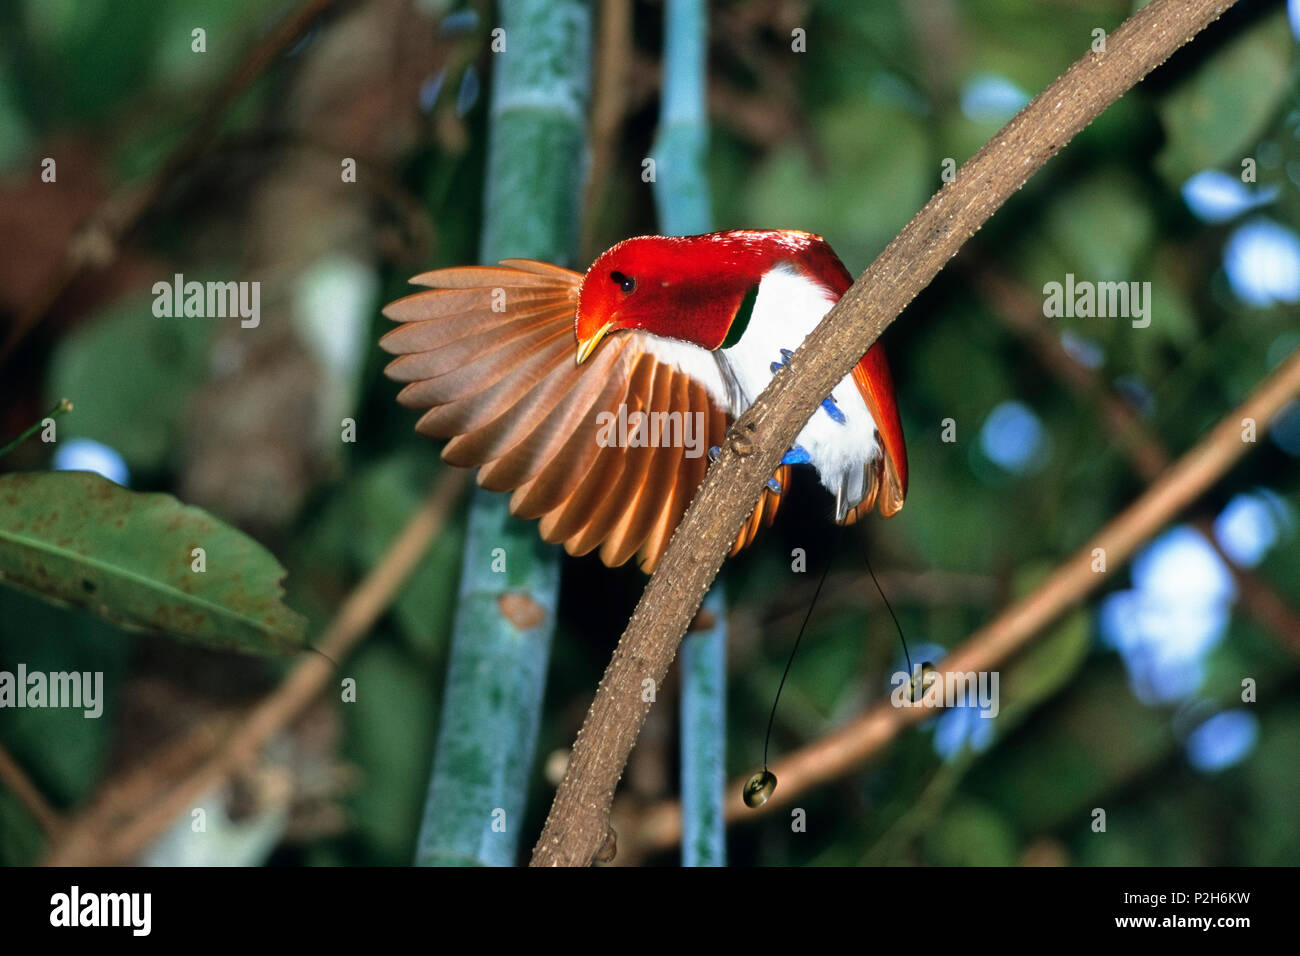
(787, 308)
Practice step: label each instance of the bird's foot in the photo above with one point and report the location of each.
(774, 486)
(833, 410)
(784, 363)
(715, 452)
(797, 455)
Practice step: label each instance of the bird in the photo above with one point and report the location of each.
(591, 396)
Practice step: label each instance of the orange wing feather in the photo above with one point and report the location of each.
(489, 352)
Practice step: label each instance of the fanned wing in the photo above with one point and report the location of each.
(489, 352)
(886, 476)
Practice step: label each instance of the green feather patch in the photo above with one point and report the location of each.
(740, 321)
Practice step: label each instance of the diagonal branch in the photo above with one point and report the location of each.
(1144, 449)
(578, 824)
(856, 742)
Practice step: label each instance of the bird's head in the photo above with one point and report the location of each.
(687, 288)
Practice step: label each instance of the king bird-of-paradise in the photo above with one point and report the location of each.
(693, 325)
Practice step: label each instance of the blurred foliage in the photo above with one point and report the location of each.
(847, 139)
(158, 353)
(1219, 113)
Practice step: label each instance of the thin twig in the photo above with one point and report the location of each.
(578, 824)
(853, 744)
(108, 833)
(62, 406)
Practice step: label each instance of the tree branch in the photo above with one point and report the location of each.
(853, 744)
(1144, 449)
(578, 824)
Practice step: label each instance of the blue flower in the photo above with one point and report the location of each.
(1013, 437)
(1176, 613)
(1262, 259)
(989, 98)
(83, 454)
(1225, 739)
(1216, 196)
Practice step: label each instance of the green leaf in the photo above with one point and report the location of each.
(1271, 832)
(1094, 739)
(1217, 115)
(76, 538)
(20, 838)
(1045, 667)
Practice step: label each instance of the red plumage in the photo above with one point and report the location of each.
(490, 353)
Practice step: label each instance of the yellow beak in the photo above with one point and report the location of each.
(588, 345)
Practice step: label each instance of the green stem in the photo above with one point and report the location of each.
(61, 406)
(510, 579)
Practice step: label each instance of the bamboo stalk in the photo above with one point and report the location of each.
(501, 642)
(510, 579)
(704, 736)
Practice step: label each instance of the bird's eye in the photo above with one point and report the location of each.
(626, 283)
